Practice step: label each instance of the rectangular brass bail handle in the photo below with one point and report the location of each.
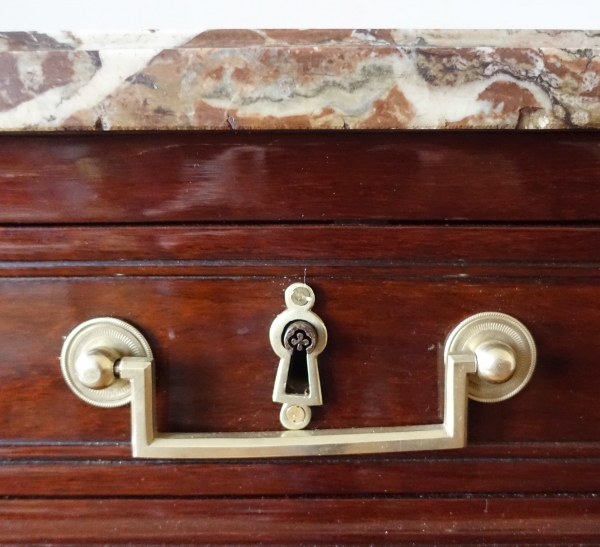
(488, 357)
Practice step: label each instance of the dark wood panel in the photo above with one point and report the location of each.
(302, 245)
(381, 366)
(356, 476)
(302, 521)
(299, 176)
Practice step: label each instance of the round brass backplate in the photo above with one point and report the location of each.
(97, 333)
(500, 327)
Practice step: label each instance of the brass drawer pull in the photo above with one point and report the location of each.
(107, 362)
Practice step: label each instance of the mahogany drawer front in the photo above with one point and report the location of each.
(532, 462)
(381, 367)
(300, 177)
(389, 297)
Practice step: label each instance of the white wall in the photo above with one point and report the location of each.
(205, 14)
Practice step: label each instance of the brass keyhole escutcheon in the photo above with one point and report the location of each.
(298, 336)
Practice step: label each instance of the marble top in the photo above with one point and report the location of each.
(300, 79)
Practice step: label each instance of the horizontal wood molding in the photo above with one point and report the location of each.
(20, 452)
(509, 521)
(300, 245)
(324, 477)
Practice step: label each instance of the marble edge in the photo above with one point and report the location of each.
(233, 38)
(300, 79)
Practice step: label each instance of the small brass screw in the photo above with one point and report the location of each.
(295, 414)
(301, 296)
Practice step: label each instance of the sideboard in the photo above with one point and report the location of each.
(249, 218)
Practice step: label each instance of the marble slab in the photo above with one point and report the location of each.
(300, 79)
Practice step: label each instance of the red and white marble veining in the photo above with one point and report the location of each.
(292, 79)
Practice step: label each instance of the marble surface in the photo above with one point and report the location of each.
(292, 79)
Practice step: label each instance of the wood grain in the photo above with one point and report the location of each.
(433, 474)
(138, 247)
(302, 521)
(299, 176)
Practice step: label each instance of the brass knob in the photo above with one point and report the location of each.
(505, 353)
(88, 358)
(496, 361)
(96, 368)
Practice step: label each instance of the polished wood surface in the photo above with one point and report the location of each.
(300, 176)
(429, 475)
(193, 237)
(364, 521)
(318, 245)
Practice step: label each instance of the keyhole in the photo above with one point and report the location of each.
(299, 339)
